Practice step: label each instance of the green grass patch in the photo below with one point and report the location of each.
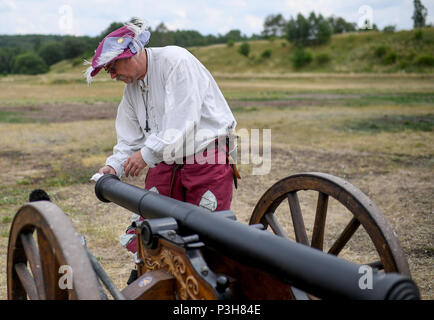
(69, 176)
(14, 196)
(394, 99)
(6, 219)
(338, 98)
(392, 123)
(36, 101)
(4, 233)
(244, 109)
(13, 117)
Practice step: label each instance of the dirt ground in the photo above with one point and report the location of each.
(402, 190)
(80, 111)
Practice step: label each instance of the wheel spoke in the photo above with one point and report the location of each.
(344, 237)
(34, 259)
(274, 224)
(26, 280)
(297, 219)
(379, 230)
(320, 220)
(50, 270)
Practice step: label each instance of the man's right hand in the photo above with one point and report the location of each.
(107, 170)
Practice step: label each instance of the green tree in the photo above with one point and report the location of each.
(7, 56)
(298, 30)
(244, 49)
(274, 26)
(234, 35)
(419, 14)
(52, 52)
(389, 28)
(187, 38)
(313, 30)
(266, 53)
(112, 27)
(301, 57)
(161, 36)
(74, 47)
(4, 61)
(340, 25)
(29, 63)
(37, 44)
(323, 32)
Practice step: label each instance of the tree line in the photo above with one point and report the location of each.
(33, 54)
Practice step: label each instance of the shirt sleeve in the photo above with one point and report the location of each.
(185, 91)
(130, 137)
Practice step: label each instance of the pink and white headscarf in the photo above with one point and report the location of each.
(122, 43)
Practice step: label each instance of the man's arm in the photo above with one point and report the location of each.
(107, 170)
(134, 164)
(185, 92)
(130, 139)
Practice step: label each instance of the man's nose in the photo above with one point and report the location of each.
(113, 75)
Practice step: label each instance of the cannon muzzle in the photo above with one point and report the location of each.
(323, 275)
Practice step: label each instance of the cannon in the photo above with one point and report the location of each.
(187, 252)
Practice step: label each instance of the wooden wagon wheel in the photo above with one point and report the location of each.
(364, 213)
(33, 266)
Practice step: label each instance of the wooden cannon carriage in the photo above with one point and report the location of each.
(187, 252)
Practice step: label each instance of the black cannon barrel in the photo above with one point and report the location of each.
(308, 269)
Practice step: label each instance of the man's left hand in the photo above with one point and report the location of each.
(134, 165)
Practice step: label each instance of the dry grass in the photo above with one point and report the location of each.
(32, 90)
(395, 169)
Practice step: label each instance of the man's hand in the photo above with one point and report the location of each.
(107, 170)
(134, 164)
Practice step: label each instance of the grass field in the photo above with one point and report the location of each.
(350, 52)
(374, 130)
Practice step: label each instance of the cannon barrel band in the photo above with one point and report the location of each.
(308, 269)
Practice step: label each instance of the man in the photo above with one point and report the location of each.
(171, 118)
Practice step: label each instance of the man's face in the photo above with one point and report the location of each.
(125, 70)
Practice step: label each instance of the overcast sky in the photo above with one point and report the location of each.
(90, 17)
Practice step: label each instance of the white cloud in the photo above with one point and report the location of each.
(181, 13)
(10, 4)
(234, 3)
(205, 16)
(254, 23)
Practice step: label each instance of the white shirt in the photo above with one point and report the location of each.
(184, 106)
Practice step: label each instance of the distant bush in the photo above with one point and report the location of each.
(244, 49)
(230, 43)
(266, 53)
(381, 51)
(76, 61)
(29, 63)
(7, 56)
(284, 43)
(389, 29)
(73, 47)
(390, 58)
(322, 58)
(424, 60)
(418, 35)
(301, 57)
(51, 52)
